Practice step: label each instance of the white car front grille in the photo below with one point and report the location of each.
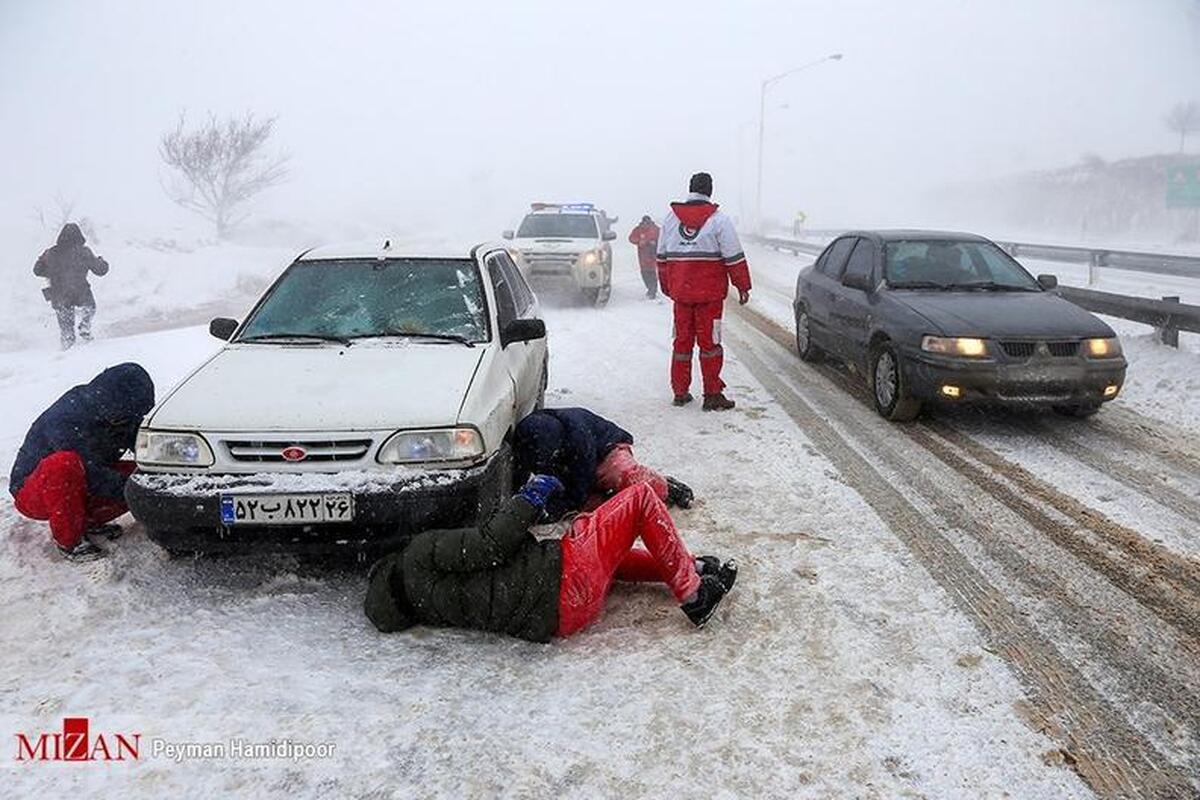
(272, 452)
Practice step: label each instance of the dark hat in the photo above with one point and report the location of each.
(701, 183)
(646, 218)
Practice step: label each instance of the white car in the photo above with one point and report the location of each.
(369, 395)
(568, 241)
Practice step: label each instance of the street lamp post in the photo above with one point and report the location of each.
(762, 115)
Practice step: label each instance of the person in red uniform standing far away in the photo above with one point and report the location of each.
(699, 255)
(645, 237)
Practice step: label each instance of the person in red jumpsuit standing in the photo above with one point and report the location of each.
(699, 255)
(645, 237)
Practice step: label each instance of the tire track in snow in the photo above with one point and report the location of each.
(1108, 752)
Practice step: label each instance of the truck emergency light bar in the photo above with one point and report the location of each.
(586, 208)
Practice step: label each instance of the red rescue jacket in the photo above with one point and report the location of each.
(699, 254)
(645, 236)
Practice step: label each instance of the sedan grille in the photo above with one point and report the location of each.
(1027, 349)
(324, 450)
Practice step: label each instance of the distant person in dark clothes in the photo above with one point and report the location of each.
(645, 237)
(499, 577)
(66, 265)
(69, 471)
(592, 456)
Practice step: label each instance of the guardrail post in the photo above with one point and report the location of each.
(1168, 332)
(1095, 261)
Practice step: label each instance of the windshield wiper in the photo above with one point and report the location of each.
(320, 337)
(920, 285)
(438, 337)
(992, 286)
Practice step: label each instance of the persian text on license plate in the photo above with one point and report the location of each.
(286, 509)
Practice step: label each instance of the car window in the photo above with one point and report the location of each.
(837, 254)
(953, 265)
(521, 292)
(506, 306)
(862, 260)
(565, 226)
(370, 297)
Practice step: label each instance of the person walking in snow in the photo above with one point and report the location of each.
(69, 471)
(590, 455)
(499, 577)
(699, 255)
(66, 265)
(645, 237)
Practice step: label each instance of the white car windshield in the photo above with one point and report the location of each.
(359, 298)
(558, 226)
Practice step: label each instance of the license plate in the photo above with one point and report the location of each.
(286, 509)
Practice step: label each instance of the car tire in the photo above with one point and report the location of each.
(1081, 411)
(888, 389)
(804, 343)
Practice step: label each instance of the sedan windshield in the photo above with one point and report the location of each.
(954, 265)
(563, 226)
(340, 300)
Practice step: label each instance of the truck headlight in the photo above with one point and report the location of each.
(966, 347)
(1109, 347)
(440, 444)
(591, 258)
(173, 449)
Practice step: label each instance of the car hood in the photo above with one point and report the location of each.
(1002, 314)
(368, 386)
(556, 244)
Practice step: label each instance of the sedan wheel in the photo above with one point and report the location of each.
(804, 344)
(887, 385)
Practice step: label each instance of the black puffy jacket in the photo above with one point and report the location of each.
(67, 265)
(496, 577)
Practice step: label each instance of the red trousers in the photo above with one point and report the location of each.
(600, 549)
(56, 491)
(620, 470)
(698, 324)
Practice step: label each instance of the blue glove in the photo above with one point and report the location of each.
(538, 489)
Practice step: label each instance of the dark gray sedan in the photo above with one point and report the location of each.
(951, 317)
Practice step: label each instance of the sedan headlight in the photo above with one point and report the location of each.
(173, 449)
(1109, 347)
(966, 347)
(441, 444)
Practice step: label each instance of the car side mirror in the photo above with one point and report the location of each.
(522, 330)
(508, 234)
(609, 236)
(223, 328)
(1048, 282)
(856, 280)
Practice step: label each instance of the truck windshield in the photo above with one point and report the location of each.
(558, 226)
(358, 298)
(955, 266)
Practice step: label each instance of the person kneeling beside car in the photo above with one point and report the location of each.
(592, 456)
(68, 471)
(499, 577)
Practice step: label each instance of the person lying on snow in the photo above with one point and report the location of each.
(69, 472)
(591, 456)
(499, 577)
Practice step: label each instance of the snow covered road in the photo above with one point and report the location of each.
(839, 666)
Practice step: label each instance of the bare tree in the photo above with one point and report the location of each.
(1184, 119)
(220, 166)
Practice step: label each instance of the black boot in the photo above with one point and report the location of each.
(84, 551)
(682, 399)
(679, 494)
(712, 591)
(108, 531)
(707, 565)
(717, 402)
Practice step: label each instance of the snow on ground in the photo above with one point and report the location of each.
(837, 668)
(1162, 382)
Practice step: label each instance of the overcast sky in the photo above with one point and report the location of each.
(458, 114)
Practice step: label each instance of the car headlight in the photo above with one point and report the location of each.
(1109, 347)
(174, 449)
(591, 258)
(440, 444)
(955, 346)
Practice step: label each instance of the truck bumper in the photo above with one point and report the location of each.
(182, 512)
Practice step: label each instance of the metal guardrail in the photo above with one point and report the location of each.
(1096, 258)
(1168, 315)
